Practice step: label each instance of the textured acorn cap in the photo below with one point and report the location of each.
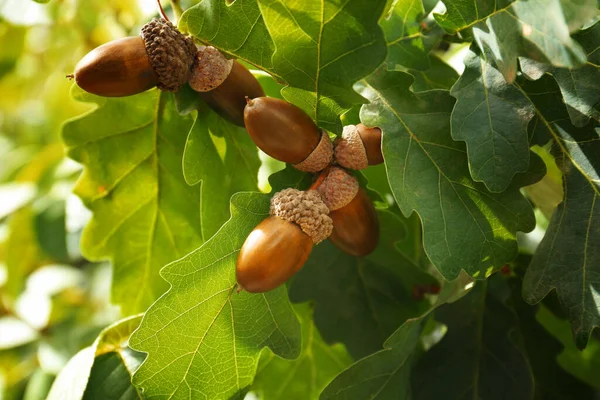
(210, 69)
(338, 188)
(319, 158)
(171, 53)
(350, 151)
(306, 209)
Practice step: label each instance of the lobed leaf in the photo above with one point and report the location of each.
(465, 227)
(144, 213)
(567, 259)
(491, 116)
(203, 340)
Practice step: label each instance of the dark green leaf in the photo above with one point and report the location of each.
(145, 215)
(491, 116)
(464, 226)
(224, 158)
(51, 230)
(439, 76)
(203, 337)
(361, 301)
(110, 378)
(477, 357)
(580, 87)
(567, 259)
(304, 377)
(506, 29)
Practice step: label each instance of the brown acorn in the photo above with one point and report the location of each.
(223, 84)
(281, 129)
(280, 245)
(161, 57)
(274, 251)
(359, 147)
(356, 226)
(355, 223)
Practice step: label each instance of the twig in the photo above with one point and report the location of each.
(162, 12)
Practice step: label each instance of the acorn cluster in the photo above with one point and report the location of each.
(335, 207)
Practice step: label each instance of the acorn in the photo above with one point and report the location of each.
(223, 84)
(358, 147)
(280, 245)
(288, 134)
(355, 222)
(161, 56)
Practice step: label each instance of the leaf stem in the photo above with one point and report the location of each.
(177, 8)
(320, 179)
(162, 12)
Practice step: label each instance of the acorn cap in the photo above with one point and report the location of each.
(350, 151)
(170, 52)
(338, 188)
(306, 209)
(319, 158)
(210, 69)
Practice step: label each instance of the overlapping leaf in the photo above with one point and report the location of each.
(103, 370)
(320, 48)
(202, 338)
(439, 76)
(479, 340)
(145, 215)
(224, 158)
(568, 259)
(491, 116)
(464, 225)
(304, 377)
(507, 29)
(580, 87)
(361, 301)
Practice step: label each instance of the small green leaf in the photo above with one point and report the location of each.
(224, 158)
(479, 341)
(491, 116)
(464, 225)
(304, 377)
(202, 338)
(145, 215)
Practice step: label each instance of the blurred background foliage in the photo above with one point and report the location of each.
(53, 303)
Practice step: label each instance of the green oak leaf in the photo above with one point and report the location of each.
(340, 43)
(479, 339)
(491, 117)
(580, 87)
(505, 29)
(579, 12)
(465, 227)
(382, 375)
(103, 370)
(568, 259)
(304, 377)
(405, 41)
(144, 213)
(361, 301)
(202, 338)
(224, 158)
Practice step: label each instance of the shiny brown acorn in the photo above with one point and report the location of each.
(356, 226)
(161, 57)
(280, 245)
(274, 251)
(281, 129)
(359, 147)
